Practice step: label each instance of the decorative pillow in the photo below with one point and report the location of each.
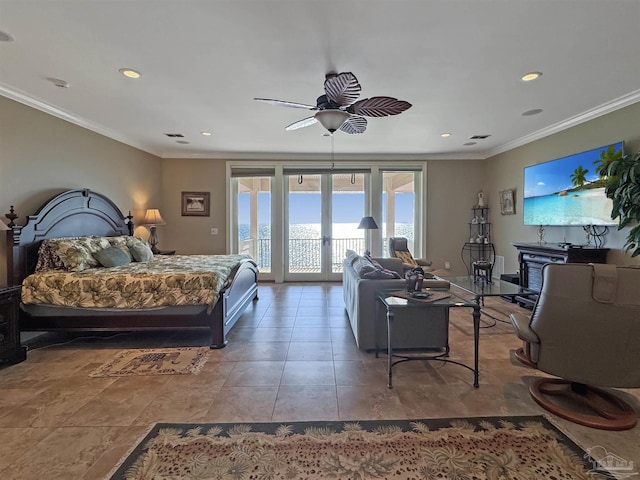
(141, 252)
(380, 271)
(362, 266)
(77, 253)
(406, 257)
(113, 257)
(48, 259)
(122, 243)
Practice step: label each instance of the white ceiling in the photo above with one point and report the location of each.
(459, 63)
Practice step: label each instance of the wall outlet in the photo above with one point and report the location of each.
(214, 231)
(447, 265)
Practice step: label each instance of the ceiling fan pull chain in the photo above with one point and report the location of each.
(300, 180)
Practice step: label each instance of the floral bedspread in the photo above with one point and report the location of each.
(166, 280)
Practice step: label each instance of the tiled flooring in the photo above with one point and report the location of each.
(291, 357)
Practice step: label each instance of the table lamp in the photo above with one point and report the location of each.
(153, 218)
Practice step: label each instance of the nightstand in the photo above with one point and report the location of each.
(165, 252)
(10, 349)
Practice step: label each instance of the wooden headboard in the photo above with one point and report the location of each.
(73, 213)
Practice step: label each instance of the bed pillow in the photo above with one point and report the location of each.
(48, 259)
(141, 252)
(77, 254)
(112, 257)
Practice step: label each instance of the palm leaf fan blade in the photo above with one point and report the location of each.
(379, 106)
(342, 89)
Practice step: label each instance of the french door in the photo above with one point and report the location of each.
(322, 213)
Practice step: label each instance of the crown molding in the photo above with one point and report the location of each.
(609, 107)
(323, 157)
(22, 97)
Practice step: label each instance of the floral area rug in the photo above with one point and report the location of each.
(469, 448)
(154, 361)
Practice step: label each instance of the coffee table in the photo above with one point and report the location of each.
(393, 304)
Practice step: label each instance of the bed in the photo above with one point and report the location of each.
(84, 213)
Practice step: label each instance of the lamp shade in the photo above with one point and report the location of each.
(368, 223)
(3, 226)
(153, 217)
(332, 118)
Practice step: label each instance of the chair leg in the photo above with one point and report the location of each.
(609, 411)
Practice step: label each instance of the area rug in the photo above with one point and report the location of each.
(467, 448)
(154, 361)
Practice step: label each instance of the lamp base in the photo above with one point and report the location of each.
(153, 239)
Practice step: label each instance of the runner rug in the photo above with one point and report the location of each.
(154, 361)
(467, 448)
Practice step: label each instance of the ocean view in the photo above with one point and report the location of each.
(305, 242)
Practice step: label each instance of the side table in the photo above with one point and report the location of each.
(10, 349)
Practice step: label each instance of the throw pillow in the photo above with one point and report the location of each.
(362, 266)
(48, 259)
(380, 270)
(381, 273)
(141, 252)
(112, 257)
(75, 256)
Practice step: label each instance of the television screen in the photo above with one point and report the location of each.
(569, 190)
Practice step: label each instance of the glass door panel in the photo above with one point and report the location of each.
(304, 235)
(398, 208)
(254, 220)
(347, 209)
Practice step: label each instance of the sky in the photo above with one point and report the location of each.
(347, 208)
(554, 176)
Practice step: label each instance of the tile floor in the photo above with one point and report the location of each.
(291, 357)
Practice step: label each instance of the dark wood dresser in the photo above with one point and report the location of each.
(10, 349)
(532, 256)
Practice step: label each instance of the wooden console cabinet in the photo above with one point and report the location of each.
(10, 349)
(532, 256)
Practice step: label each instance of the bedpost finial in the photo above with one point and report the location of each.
(11, 216)
(130, 223)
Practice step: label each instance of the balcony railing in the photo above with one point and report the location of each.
(304, 253)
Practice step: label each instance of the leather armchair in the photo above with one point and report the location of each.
(398, 249)
(585, 328)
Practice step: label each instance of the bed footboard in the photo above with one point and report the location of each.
(233, 301)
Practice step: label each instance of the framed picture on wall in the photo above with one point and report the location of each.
(195, 204)
(507, 204)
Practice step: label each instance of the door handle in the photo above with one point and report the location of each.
(326, 241)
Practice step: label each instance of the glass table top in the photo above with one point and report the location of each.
(440, 298)
(481, 288)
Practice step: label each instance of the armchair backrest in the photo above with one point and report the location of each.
(587, 319)
(398, 248)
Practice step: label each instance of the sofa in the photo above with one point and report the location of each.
(362, 277)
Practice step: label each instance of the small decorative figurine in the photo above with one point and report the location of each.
(480, 199)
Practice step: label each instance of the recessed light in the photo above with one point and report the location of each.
(5, 37)
(206, 134)
(445, 134)
(534, 111)
(128, 72)
(527, 77)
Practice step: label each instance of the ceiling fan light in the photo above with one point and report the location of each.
(332, 118)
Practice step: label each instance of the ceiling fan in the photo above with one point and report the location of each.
(338, 108)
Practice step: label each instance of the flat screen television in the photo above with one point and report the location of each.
(568, 191)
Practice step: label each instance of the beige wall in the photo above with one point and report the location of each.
(192, 235)
(505, 172)
(41, 156)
